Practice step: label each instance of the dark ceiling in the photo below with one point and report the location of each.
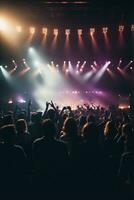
(69, 12)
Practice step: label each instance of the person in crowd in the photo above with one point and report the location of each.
(13, 166)
(23, 136)
(49, 155)
(126, 167)
(35, 127)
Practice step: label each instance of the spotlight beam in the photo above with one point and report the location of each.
(101, 71)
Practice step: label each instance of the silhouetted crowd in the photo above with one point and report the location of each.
(86, 153)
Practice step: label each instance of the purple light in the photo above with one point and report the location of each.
(21, 100)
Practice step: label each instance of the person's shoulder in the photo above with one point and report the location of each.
(126, 154)
(38, 141)
(19, 150)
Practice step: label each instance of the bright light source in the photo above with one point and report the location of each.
(67, 31)
(36, 63)
(95, 63)
(79, 31)
(31, 50)
(21, 100)
(44, 31)
(55, 32)
(121, 28)
(102, 71)
(19, 29)
(32, 30)
(67, 70)
(108, 62)
(13, 61)
(3, 24)
(10, 101)
(92, 31)
(104, 30)
(132, 27)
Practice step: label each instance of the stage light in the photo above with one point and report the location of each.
(104, 30)
(20, 100)
(32, 30)
(79, 31)
(31, 50)
(67, 70)
(67, 32)
(10, 101)
(92, 31)
(121, 28)
(101, 71)
(126, 67)
(3, 24)
(131, 68)
(44, 31)
(19, 29)
(93, 68)
(55, 32)
(95, 63)
(132, 27)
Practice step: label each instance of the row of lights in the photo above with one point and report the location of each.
(32, 30)
(81, 92)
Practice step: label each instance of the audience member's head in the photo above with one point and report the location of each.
(110, 129)
(70, 127)
(51, 114)
(91, 118)
(82, 120)
(36, 117)
(48, 128)
(21, 126)
(8, 134)
(8, 119)
(128, 134)
(90, 132)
